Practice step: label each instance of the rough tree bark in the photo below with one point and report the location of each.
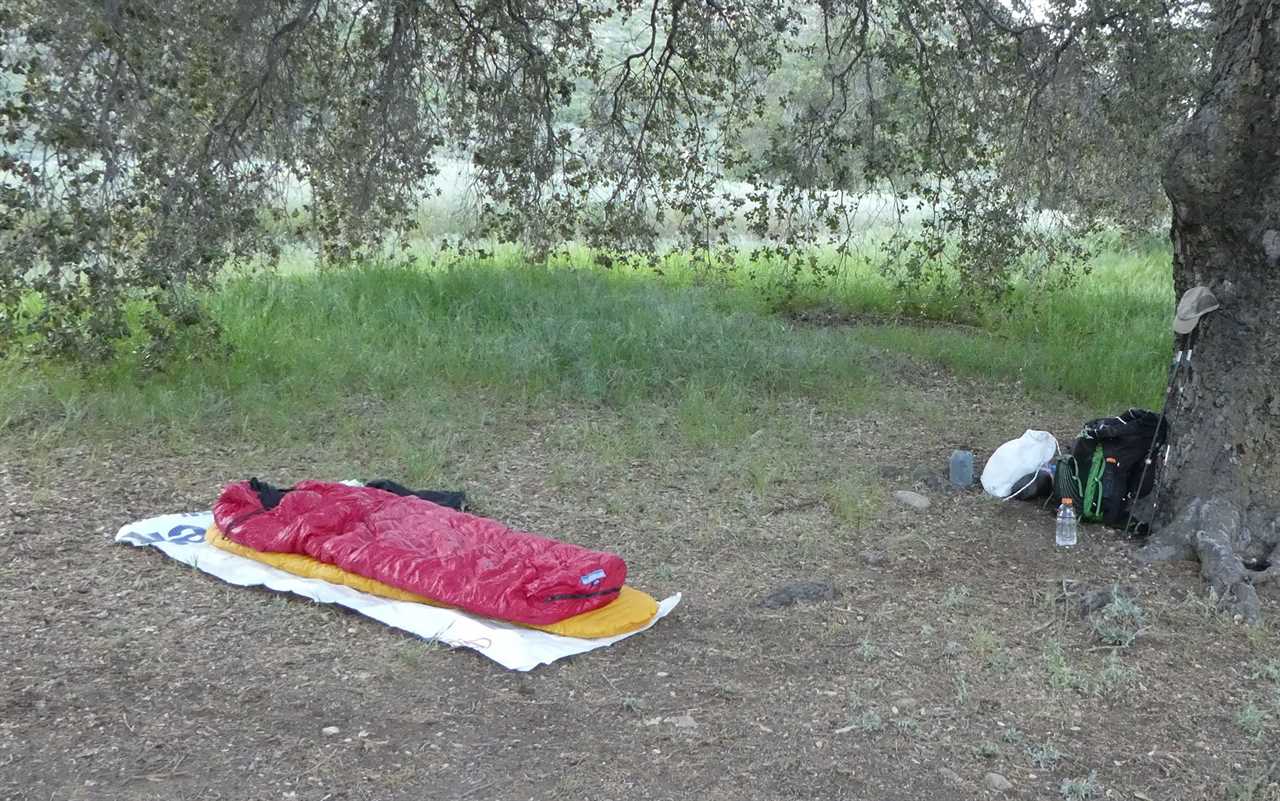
(1219, 494)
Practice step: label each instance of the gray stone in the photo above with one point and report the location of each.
(950, 777)
(788, 594)
(996, 783)
(1246, 606)
(907, 704)
(1093, 600)
(873, 558)
(912, 500)
(1271, 246)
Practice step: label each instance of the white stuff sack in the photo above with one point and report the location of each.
(1017, 459)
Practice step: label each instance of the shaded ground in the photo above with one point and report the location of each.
(952, 647)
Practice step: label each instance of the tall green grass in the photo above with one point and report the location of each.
(1103, 338)
(328, 350)
(302, 347)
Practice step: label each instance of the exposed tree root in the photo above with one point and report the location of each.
(1211, 532)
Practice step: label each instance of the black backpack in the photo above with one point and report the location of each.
(1102, 473)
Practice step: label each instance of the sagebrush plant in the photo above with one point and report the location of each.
(1251, 720)
(869, 722)
(955, 596)
(1081, 789)
(1269, 670)
(1044, 756)
(1119, 622)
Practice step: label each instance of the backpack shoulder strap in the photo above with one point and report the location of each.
(1066, 479)
(1091, 510)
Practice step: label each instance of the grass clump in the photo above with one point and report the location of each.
(855, 499)
(1012, 736)
(1062, 676)
(1044, 756)
(1116, 677)
(1119, 622)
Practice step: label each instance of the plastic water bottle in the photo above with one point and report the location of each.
(962, 469)
(1066, 529)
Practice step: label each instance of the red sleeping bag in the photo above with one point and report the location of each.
(462, 560)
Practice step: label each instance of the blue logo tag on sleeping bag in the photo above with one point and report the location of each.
(594, 577)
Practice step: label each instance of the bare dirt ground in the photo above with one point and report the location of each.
(951, 649)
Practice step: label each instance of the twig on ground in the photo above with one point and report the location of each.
(794, 507)
(1039, 628)
(478, 788)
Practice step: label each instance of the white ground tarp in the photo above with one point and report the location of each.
(181, 536)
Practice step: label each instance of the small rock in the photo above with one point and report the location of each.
(912, 500)
(1093, 600)
(684, 721)
(1247, 607)
(928, 478)
(996, 783)
(1271, 246)
(950, 777)
(329, 731)
(873, 558)
(907, 704)
(788, 594)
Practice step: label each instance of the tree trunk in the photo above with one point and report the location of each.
(1219, 493)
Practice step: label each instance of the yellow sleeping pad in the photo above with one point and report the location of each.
(631, 610)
